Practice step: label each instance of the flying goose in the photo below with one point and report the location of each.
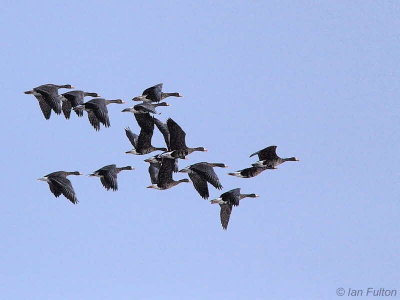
(73, 99)
(97, 111)
(108, 175)
(201, 173)
(269, 158)
(60, 184)
(226, 201)
(142, 143)
(164, 179)
(177, 141)
(48, 97)
(145, 107)
(154, 94)
(154, 167)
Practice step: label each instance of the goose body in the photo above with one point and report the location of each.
(227, 201)
(155, 165)
(108, 175)
(59, 184)
(203, 173)
(48, 98)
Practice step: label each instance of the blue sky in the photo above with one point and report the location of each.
(318, 79)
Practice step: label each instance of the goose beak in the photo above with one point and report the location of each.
(28, 92)
(257, 196)
(81, 173)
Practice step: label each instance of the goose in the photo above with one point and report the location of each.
(60, 184)
(155, 94)
(154, 167)
(48, 97)
(97, 111)
(142, 143)
(73, 99)
(177, 141)
(145, 107)
(163, 128)
(250, 172)
(108, 175)
(201, 173)
(269, 158)
(226, 201)
(164, 179)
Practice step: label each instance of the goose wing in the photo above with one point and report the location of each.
(232, 197)
(63, 185)
(44, 107)
(145, 121)
(66, 108)
(109, 180)
(153, 93)
(133, 138)
(144, 140)
(165, 172)
(268, 153)
(225, 214)
(176, 136)
(200, 184)
(154, 169)
(164, 130)
(207, 173)
(93, 120)
(101, 113)
(54, 189)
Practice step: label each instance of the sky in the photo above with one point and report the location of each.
(319, 79)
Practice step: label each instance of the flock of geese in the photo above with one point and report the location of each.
(161, 166)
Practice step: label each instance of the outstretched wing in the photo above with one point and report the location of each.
(93, 120)
(268, 153)
(154, 168)
(208, 173)
(200, 184)
(145, 121)
(164, 130)
(165, 172)
(66, 108)
(109, 180)
(63, 185)
(153, 93)
(101, 113)
(133, 138)
(232, 197)
(225, 214)
(176, 136)
(44, 107)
